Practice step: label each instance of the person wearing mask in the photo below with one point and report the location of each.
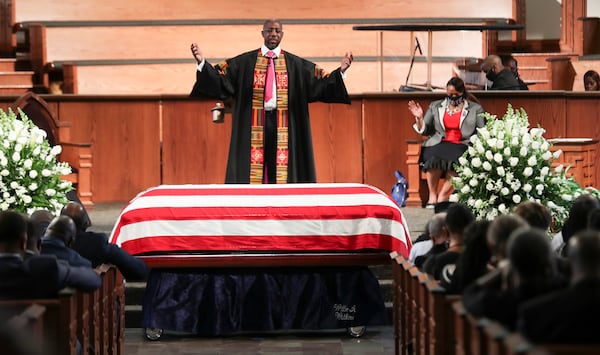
(449, 124)
(500, 76)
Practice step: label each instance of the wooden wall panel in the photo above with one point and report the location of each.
(194, 149)
(387, 126)
(582, 117)
(131, 42)
(156, 79)
(125, 145)
(337, 141)
(48, 10)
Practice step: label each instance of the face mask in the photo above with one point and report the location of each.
(490, 75)
(455, 100)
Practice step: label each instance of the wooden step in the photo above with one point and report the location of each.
(14, 89)
(16, 78)
(7, 64)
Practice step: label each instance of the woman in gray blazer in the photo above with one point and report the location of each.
(449, 123)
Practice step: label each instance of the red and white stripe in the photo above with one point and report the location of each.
(286, 217)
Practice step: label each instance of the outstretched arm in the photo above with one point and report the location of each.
(346, 62)
(197, 53)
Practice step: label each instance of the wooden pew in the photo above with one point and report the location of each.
(397, 299)
(21, 332)
(94, 319)
(60, 319)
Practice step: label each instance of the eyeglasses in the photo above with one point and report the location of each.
(269, 30)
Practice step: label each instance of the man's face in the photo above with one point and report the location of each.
(272, 33)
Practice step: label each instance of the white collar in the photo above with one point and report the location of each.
(264, 50)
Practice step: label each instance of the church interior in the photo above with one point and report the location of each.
(111, 81)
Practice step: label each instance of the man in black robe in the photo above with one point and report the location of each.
(271, 139)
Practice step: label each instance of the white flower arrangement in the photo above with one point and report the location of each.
(508, 163)
(30, 176)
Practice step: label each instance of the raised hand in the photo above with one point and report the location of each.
(346, 61)
(197, 53)
(416, 109)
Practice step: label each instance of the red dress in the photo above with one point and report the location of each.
(452, 124)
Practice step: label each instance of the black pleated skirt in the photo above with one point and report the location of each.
(441, 156)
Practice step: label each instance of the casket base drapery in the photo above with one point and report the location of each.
(229, 259)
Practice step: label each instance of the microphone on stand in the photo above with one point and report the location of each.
(419, 46)
(406, 87)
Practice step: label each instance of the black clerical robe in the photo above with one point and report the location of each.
(303, 87)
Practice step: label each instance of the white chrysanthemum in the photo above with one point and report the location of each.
(559, 169)
(537, 132)
(566, 197)
(467, 172)
(498, 158)
(547, 155)
(557, 153)
(56, 150)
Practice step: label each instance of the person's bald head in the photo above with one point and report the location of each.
(77, 214)
(584, 254)
(490, 61)
(63, 228)
(37, 225)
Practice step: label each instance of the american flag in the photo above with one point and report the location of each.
(282, 217)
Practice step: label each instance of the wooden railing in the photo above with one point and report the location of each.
(94, 319)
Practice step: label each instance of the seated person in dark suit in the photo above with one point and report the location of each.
(532, 273)
(511, 63)
(570, 315)
(458, 217)
(36, 227)
(501, 77)
(58, 239)
(96, 248)
(37, 276)
(438, 233)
